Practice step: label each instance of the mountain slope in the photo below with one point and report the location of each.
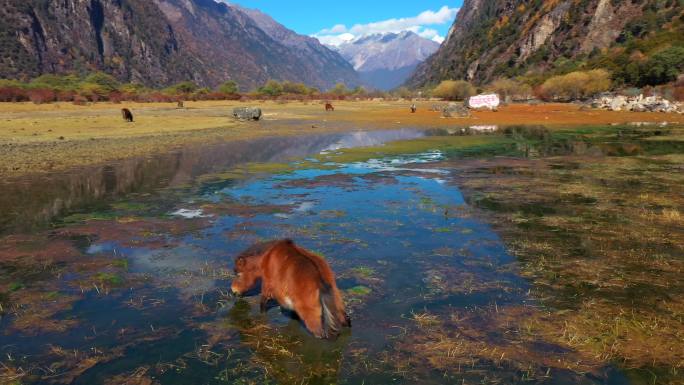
(498, 38)
(316, 57)
(386, 60)
(155, 42)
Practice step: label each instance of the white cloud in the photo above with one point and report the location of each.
(339, 28)
(428, 33)
(438, 39)
(336, 40)
(339, 34)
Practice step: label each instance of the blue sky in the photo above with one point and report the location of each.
(335, 21)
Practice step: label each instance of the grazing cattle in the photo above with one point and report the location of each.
(413, 108)
(329, 107)
(298, 279)
(180, 104)
(127, 115)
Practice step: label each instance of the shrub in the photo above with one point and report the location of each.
(182, 88)
(158, 97)
(272, 88)
(576, 85)
(56, 82)
(117, 97)
(94, 92)
(295, 88)
(510, 89)
(66, 96)
(12, 94)
(359, 92)
(132, 88)
(40, 96)
(229, 87)
(105, 82)
(340, 90)
(679, 89)
(679, 94)
(663, 67)
(200, 94)
(79, 100)
(403, 92)
(454, 90)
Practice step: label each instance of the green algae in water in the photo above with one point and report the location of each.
(86, 217)
(269, 168)
(363, 272)
(121, 263)
(53, 295)
(130, 206)
(109, 278)
(333, 213)
(426, 201)
(16, 286)
(360, 291)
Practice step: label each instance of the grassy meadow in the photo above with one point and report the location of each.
(49, 137)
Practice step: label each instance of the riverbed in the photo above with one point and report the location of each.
(119, 273)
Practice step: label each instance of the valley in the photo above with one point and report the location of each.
(211, 191)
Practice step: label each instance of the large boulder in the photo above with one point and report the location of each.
(636, 104)
(618, 103)
(247, 113)
(456, 110)
(637, 107)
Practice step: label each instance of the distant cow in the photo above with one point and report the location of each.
(180, 104)
(329, 107)
(413, 108)
(127, 115)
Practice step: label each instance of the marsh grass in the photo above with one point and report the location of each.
(464, 343)
(601, 239)
(278, 354)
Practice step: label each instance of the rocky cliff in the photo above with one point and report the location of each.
(509, 38)
(154, 42)
(385, 61)
(314, 56)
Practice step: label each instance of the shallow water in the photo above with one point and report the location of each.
(161, 236)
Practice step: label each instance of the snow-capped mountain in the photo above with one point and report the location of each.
(385, 61)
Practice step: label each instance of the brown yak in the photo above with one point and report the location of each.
(127, 115)
(298, 279)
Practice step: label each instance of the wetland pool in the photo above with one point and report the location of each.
(120, 274)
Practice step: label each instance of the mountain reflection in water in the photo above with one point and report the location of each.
(31, 203)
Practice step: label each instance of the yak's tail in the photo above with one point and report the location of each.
(332, 324)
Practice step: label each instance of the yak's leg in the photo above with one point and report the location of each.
(311, 315)
(266, 295)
